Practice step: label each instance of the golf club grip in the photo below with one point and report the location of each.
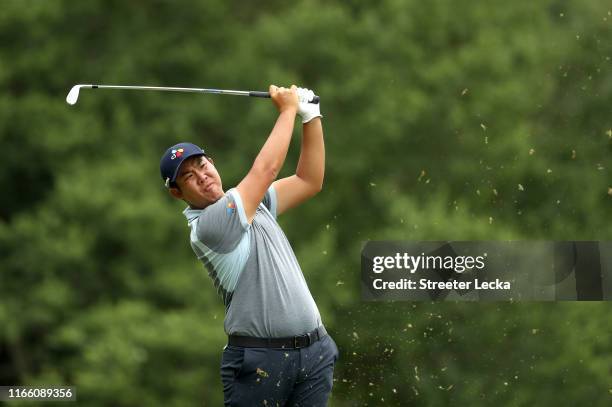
(258, 94)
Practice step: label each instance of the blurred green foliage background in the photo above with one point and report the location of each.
(443, 120)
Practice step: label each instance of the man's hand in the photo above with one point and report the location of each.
(307, 111)
(284, 99)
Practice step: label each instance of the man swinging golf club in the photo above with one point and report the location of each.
(278, 351)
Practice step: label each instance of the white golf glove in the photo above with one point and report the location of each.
(307, 111)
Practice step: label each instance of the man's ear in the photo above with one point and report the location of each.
(175, 192)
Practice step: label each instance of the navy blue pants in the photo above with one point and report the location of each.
(279, 377)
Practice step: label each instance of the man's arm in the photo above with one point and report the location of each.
(308, 178)
(272, 155)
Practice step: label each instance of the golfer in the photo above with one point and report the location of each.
(278, 350)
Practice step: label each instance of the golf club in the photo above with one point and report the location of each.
(73, 95)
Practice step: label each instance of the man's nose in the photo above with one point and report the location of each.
(201, 177)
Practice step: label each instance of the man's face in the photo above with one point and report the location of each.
(199, 183)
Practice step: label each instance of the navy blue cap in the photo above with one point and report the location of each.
(174, 157)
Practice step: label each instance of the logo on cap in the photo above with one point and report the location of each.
(176, 153)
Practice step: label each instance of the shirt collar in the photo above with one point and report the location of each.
(191, 214)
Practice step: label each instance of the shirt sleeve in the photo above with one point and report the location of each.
(269, 200)
(222, 225)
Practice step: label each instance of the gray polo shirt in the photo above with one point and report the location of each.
(253, 268)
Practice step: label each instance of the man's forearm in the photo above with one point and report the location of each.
(311, 165)
(272, 155)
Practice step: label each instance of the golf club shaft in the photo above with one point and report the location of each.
(256, 94)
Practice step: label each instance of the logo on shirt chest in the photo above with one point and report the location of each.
(231, 208)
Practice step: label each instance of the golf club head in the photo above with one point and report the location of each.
(73, 95)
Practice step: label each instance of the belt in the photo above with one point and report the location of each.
(292, 342)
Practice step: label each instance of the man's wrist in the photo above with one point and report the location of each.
(313, 120)
(289, 110)
(308, 118)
